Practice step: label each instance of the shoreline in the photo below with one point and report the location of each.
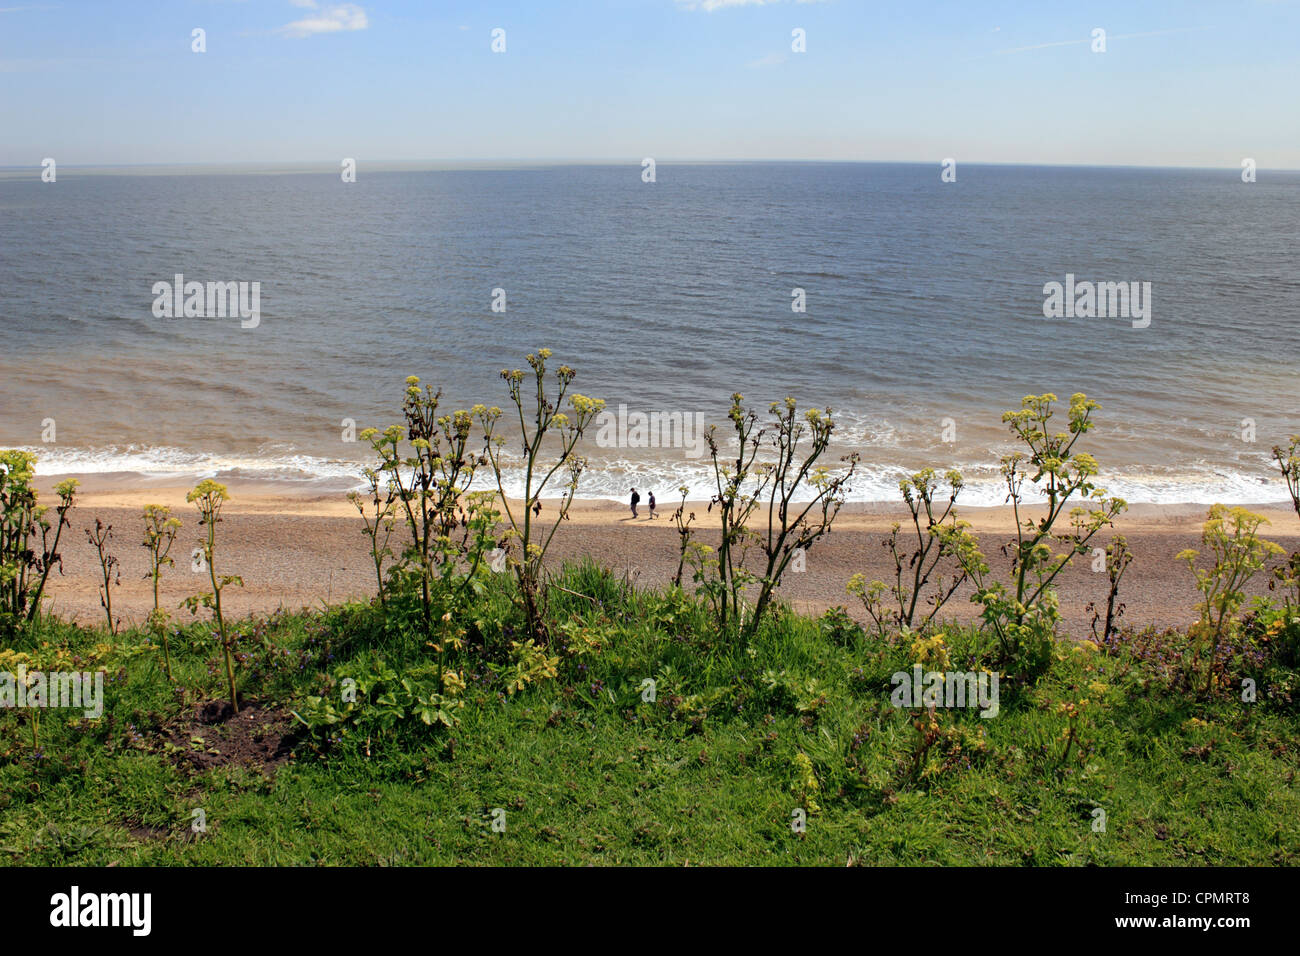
(877, 485)
(255, 496)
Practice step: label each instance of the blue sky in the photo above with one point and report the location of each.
(1180, 83)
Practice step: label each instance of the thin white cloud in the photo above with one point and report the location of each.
(708, 6)
(332, 18)
(1040, 46)
(1118, 36)
(772, 59)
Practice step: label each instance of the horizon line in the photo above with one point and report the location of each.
(574, 161)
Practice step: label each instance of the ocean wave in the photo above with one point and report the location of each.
(612, 478)
(159, 462)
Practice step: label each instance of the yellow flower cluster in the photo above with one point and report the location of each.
(208, 491)
(930, 652)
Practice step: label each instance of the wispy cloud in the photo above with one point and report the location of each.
(1116, 36)
(772, 59)
(332, 18)
(1039, 46)
(708, 6)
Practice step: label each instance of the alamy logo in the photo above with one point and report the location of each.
(946, 689)
(212, 300)
(103, 909)
(626, 429)
(1099, 300)
(41, 689)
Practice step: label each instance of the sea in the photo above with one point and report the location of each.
(910, 306)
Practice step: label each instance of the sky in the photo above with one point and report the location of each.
(94, 82)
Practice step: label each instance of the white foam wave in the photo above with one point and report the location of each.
(612, 478)
(159, 462)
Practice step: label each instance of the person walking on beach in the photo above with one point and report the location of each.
(651, 504)
(635, 498)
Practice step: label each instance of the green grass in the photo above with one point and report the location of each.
(586, 772)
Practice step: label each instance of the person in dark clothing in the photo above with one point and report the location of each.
(651, 503)
(635, 499)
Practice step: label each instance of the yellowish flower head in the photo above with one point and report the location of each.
(209, 489)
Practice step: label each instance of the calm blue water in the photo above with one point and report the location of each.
(924, 303)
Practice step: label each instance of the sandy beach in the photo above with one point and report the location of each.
(301, 550)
